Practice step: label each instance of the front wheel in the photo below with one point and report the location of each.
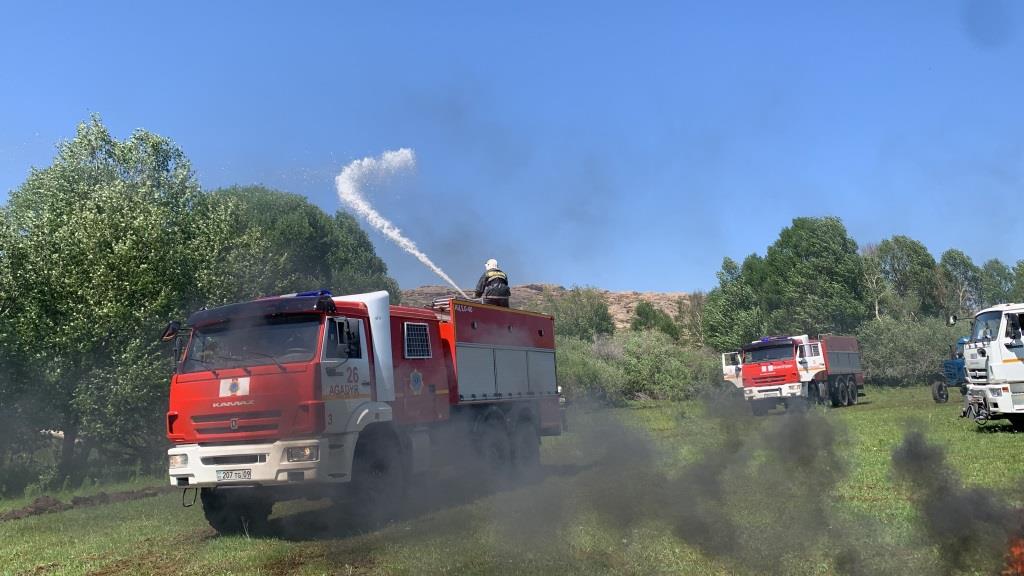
(378, 480)
(236, 511)
(940, 392)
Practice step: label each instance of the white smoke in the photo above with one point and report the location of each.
(350, 183)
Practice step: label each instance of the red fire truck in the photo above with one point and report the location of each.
(794, 370)
(309, 395)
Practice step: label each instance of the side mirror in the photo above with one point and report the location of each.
(173, 327)
(951, 320)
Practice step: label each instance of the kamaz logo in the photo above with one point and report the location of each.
(233, 403)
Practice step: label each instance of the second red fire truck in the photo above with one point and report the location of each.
(796, 370)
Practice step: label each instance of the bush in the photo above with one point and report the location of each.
(634, 366)
(582, 373)
(905, 352)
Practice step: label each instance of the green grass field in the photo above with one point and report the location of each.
(704, 495)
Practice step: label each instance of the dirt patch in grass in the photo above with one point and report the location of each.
(49, 504)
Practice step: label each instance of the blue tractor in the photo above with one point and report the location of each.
(954, 374)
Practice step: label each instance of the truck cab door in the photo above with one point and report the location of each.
(1011, 348)
(344, 371)
(731, 368)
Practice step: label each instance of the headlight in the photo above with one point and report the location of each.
(304, 454)
(995, 392)
(178, 460)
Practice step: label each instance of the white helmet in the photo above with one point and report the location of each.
(491, 264)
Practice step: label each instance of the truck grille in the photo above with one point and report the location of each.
(237, 422)
(768, 380)
(978, 375)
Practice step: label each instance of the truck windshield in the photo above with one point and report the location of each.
(252, 341)
(986, 326)
(766, 354)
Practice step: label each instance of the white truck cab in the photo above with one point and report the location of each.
(994, 360)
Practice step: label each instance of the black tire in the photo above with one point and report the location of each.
(378, 481)
(833, 391)
(940, 392)
(796, 404)
(239, 511)
(526, 449)
(495, 448)
(854, 390)
(844, 391)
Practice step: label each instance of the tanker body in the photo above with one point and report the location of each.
(310, 395)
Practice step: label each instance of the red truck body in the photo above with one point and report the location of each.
(299, 390)
(796, 369)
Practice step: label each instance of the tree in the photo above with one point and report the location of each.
(732, 315)
(962, 280)
(690, 317)
(647, 317)
(877, 290)
(909, 269)
(1018, 282)
(813, 279)
(997, 283)
(107, 246)
(303, 248)
(582, 313)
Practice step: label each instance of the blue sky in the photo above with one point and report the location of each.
(624, 145)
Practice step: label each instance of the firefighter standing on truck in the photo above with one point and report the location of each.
(493, 285)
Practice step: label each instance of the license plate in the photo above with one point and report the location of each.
(234, 475)
(772, 394)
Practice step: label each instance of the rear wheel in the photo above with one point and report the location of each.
(940, 392)
(526, 449)
(239, 511)
(495, 447)
(852, 392)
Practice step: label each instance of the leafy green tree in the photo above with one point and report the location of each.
(813, 279)
(997, 283)
(302, 247)
(690, 318)
(900, 353)
(877, 290)
(962, 280)
(105, 249)
(581, 312)
(909, 269)
(732, 314)
(1018, 282)
(647, 317)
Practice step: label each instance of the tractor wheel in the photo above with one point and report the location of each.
(940, 392)
(854, 392)
(378, 481)
(236, 511)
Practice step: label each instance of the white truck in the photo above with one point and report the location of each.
(994, 360)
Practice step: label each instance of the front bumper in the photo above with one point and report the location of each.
(998, 399)
(266, 464)
(774, 391)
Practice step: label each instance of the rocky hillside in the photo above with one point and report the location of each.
(533, 297)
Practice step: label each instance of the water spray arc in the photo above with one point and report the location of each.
(350, 183)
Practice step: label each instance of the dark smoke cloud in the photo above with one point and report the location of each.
(971, 527)
(758, 495)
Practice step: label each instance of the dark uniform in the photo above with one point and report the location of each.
(493, 286)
